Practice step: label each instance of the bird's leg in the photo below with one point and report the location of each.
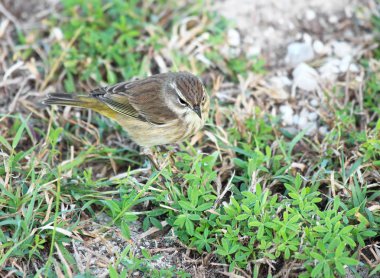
(152, 158)
(170, 155)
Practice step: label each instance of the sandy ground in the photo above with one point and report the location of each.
(269, 26)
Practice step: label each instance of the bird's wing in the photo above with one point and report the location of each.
(140, 99)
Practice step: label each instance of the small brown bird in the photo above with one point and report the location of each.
(160, 109)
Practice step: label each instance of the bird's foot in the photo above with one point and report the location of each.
(152, 158)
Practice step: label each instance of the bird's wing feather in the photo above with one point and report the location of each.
(140, 99)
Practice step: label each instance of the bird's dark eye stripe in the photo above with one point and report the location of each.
(182, 101)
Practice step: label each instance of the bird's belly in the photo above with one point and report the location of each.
(148, 135)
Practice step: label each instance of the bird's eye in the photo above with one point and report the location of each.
(203, 98)
(182, 101)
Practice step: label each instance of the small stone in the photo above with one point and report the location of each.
(348, 11)
(320, 48)
(345, 63)
(310, 15)
(314, 102)
(249, 40)
(342, 49)
(307, 38)
(296, 119)
(287, 114)
(305, 78)
(330, 70)
(253, 51)
(323, 130)
(233, 37)
(304, 113)
(286, 109)
(230, 52)
(57, 33)
(354, 68)
(234, 52)
(299, 52)
(302, 122)
(307, 83)
(303, 69)
(333, 19)
(311, 128)
(224, 50)
(312, 116)
(280, 81)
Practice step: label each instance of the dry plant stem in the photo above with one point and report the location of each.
(10, 16)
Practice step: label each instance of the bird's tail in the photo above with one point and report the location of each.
(89, 102)
(70, 100)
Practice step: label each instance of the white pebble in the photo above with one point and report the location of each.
(311, 128)
(305, 78)
(230, 52)
(287, 114)
(345, 63)
(234, 52)
(330, 70)
(314, 102)
(302, 122)
(333, 19)
(320, 48)
(57, 33)
(310, 15)
(312, 116)
(342, 49)
(280, 81)
(307, 38)
(233, 37)
(296, 119)
(299, 52)
(303, 69)
(286, 109)
(304, 113)
(253, 51)
(354, 68)
(323, 130)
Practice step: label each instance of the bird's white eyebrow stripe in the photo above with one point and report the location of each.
(174, 86)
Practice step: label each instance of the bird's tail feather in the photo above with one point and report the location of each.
(70, 100)
(89, 102)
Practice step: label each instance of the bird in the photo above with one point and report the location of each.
(157, 110)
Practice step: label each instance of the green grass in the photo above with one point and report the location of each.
(238, 198)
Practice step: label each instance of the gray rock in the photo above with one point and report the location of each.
(299, 52)
(233, 37)
(286, 114)
(305, 78)
(342, 49)
(323, 130)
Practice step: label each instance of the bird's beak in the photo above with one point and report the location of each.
(197, 110)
